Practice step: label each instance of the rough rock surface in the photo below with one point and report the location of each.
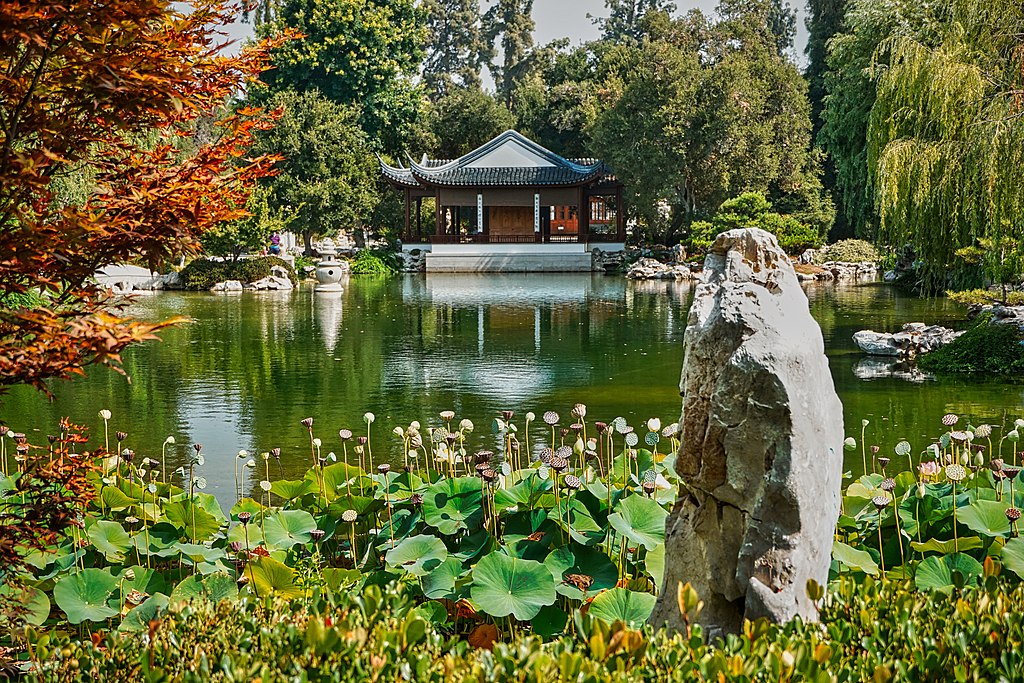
(762, 435)
(650, 269)
(834, 270)
(913, 339)
(414, 261)
(272, 283)
(607, 261)
(1001, 315)
(228, 286)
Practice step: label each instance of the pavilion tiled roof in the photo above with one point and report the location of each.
(543, 168)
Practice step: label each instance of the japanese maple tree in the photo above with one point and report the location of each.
(116, 88)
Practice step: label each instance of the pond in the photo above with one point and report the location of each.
(250, 367)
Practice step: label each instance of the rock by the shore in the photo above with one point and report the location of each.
(650, 269)
(272, 283)
(807, 271)
(912, 340)
(229, 286)
(762, 442)
(1001, 315)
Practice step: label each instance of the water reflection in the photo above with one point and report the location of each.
(250, 367)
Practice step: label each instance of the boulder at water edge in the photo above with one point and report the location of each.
(762, 435)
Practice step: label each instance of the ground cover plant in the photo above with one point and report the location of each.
(537, 539)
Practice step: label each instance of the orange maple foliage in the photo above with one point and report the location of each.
(116, 86)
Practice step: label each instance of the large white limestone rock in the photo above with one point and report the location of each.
(762, 436)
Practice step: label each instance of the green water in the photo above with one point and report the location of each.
(251, 366)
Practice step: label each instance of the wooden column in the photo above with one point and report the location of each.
(583, 217)
(620, 216)
(419, 219)
(440, 228)
(407, 233)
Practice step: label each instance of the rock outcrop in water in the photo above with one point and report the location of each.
(911, 341)
(761, 455)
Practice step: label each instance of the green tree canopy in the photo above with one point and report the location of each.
(510, 24)
(625, 20)
(328, 179)
(712, 109)
(465, 118)
(456, 46)
(946, 142)
(354, 52)
(249, 234)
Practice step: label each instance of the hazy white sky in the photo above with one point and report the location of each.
(568, 18)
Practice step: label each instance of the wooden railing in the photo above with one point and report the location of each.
(516, 239)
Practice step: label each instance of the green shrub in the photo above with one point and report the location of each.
(982, 349)
(986, 297)
(202, 274)
(849, 251)
(870, 631)
(12, 301)
(374, 262)
(752, 210)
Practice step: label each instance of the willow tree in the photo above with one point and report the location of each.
(946, 144)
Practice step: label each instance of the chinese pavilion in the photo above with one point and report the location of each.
(511, 192)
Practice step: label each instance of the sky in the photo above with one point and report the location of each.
(568, 18)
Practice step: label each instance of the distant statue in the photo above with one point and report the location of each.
(275, 244)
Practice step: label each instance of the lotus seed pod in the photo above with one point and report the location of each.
(415, 424)
(466, 425)
(242, 454)
(169, 441)
(880, 502)
(530, 417)
(1013, 435)
(349, 516)
(307, 423)
(120, 436)
(344, 434)
(317, 442)
(265, 485)
(398, 431)
(950, 419)
(244, 517)
(1018, 423)
(104, 414)
(983, 431)
(850, 443)
(129, 575)
(368, 418)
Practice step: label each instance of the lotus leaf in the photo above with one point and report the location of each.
(23, 605)
(857, 560)
(272, 578)
(83, 596)
(440, 583)
(137, 620)
(418, 555)
(620, 604)
(580, 515)
(641, 520)
(1013, 556)
(214, 588)
(504, 585)
(453, 505)
(580, 571)
(290, 490)
(192, 519)
(286, 528)
(936, 572)
(111, 539)
(985, 517)
(934, 545)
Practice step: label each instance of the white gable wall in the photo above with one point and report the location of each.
(511, 154)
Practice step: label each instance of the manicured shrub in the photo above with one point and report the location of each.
(982, 349)
(202, 274)
(849, 251)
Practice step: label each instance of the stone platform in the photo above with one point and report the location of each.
(510, 258)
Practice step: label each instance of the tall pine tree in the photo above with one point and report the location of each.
(456, 46)
(510, 24)
(625, 17)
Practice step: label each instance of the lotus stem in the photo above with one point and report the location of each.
(881, 550)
